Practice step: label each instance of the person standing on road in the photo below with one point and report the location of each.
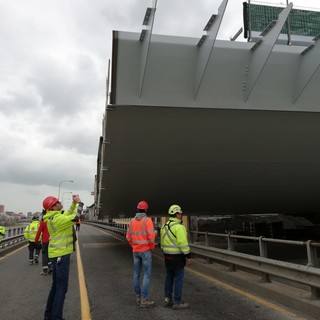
(60, 226)
(2, 232)
(176, 251)
(30, 234)
(43, 234)
(141, 236)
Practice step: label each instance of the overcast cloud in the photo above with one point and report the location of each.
(53, 69)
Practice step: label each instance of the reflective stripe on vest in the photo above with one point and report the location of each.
(143, 232)
(168, 234)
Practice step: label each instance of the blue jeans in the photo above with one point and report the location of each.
(59, 288)
(174, 284)
(142, 261)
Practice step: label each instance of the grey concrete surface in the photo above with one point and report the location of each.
(108, 268)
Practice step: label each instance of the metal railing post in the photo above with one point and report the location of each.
(193, 236)
(313, 262)
(263, 253)
(209, 260)
(231, 248)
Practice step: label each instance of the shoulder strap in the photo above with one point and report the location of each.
(168, 225)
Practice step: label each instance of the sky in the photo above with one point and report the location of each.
(53, 68)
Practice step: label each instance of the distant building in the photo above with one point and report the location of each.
(1, 208)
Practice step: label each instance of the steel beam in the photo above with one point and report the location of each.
(206, 49)
(145, 39)
(260, 54)
(309, 66)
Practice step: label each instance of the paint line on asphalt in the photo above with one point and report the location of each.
(84, 300)
(246, 294)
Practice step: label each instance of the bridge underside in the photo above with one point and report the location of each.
(211, 161)
(222, 127)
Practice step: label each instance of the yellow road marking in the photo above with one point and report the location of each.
(244, 293)
(112, 235)
(84, 300)
(229, 287)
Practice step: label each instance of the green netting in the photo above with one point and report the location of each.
(302, 22)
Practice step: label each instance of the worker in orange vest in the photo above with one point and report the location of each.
(141, 236)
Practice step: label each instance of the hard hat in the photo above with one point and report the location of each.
(49, 202)
(174, 209)
(143, 205)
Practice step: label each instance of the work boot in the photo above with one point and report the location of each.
(168, 302)
(182, 305)
(138, 299)
(146, 303)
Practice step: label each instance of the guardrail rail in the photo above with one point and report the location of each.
(308, 274)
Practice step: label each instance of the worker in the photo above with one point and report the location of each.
(60, 226)
(176, 251)
(43, 234)
(2, 232)
(30, 233)
(141, 236)
(78, 225)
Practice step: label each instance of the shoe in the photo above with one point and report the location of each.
(138, 299)
(180, 306)
(30, 262)
(146, 303)
(36, 260)
(168, 302)
(44, 273)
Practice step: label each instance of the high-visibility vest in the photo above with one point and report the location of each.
(60, 227)
(2, 232)
(174, 237)
(31, 230)
(141, 234)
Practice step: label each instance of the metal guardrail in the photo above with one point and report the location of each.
(304, 274)
(13, 236)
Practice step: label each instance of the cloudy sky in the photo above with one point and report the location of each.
(53, 68)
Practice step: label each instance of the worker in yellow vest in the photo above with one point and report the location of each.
(30, 233)
(2, 232)
(176, 251)
(60, 226)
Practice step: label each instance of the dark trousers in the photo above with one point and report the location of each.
(174, 284)
(59, 288)
(34, 250)
(46, 263)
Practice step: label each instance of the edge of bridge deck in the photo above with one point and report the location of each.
(295, 298)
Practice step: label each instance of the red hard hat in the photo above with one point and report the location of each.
(49, 202)
(143, 205)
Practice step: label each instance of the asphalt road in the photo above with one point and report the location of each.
(108, 269)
